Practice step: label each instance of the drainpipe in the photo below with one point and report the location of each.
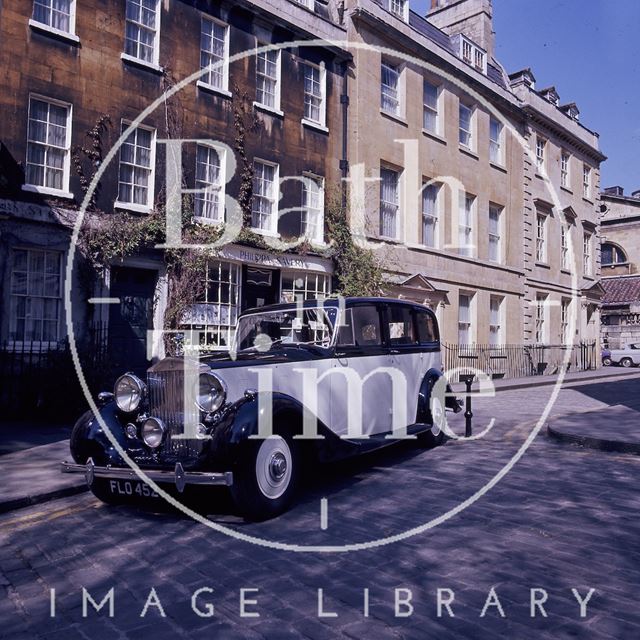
(344, 101)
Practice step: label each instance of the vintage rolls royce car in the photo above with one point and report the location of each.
(322, 379)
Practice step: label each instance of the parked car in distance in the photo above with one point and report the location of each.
(326, 359)
(628, 356)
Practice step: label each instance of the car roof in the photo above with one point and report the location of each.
(333, 302)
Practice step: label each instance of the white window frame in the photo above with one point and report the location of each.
(587, 253)
(322, 81)
(470, 133)
(135, 206)
(542, 224)
(496, 147)
(306, 210)
(541, 154)
(565, 315)
(204, 188)
(586, 181)
(277, 80)
(308, 284)
(467, 224)
(473, 55)
(13, 297)
(398, 8)
(467, 324)
(205, 79)
(427, 108)
(495, 239)
(388, 206)
(274, 199)
(496, 329)
(390, 90)
(47, 26)
(227, 312)
(564, 246)
(541, 319)
(309, 4)
(66, 164)
(156, 38)
(565, 169)
(432, 217)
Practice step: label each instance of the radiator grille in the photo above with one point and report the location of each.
(167, 402)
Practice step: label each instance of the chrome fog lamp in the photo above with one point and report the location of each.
(210, 392)
(153, 431)
(128, 392)
(131, 430)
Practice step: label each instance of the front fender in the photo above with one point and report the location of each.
(231, 437)
(449, 401)
(88, 439)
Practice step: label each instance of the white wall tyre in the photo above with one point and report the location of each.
(266, 477)
(435, 435)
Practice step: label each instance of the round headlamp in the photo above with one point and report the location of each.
(210, 392)
(128, 392)
(153, 432)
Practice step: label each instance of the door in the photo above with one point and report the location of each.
(361, 385)
(260, 286)
(130, 319)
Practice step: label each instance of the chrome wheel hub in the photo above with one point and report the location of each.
(278, 466)
(273, 467)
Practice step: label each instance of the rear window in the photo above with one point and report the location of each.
(427, 328)
(401, 327)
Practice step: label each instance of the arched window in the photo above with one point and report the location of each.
(612, 254)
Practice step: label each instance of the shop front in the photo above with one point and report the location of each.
(241, 278)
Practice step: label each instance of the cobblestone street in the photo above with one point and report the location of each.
(563, 518)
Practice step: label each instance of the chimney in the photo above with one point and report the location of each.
(472, 18)
(614, 191)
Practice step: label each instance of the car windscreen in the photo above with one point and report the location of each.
(293, 326)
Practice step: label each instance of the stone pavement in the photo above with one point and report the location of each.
(616, 428)
(33, 476)
(561, 522)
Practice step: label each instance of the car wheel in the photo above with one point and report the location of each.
(266, 477)
(435, 435)
(606, 362)
(626, 362)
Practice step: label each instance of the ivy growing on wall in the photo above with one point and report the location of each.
(108, 237)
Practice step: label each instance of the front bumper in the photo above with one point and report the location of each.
(178, 476)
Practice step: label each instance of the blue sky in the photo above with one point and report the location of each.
(590, 51)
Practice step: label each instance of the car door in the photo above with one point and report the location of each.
(407, 357)
(360, 389)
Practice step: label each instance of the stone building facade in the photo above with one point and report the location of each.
(68, 64)
(620, 250)
(451, 140)
(436, 142)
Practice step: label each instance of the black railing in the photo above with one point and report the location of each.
(40, 379)
(518, 361)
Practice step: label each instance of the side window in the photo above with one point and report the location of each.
(426, 324)
(362, 327)
(401, 327)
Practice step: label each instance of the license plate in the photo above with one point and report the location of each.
(131, 488)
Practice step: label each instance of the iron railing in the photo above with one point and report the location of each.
(518, 360)
(40, 379)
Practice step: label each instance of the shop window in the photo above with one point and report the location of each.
(216, 312)
(298, 285)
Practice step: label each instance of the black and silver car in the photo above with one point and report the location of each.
(320, 379)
